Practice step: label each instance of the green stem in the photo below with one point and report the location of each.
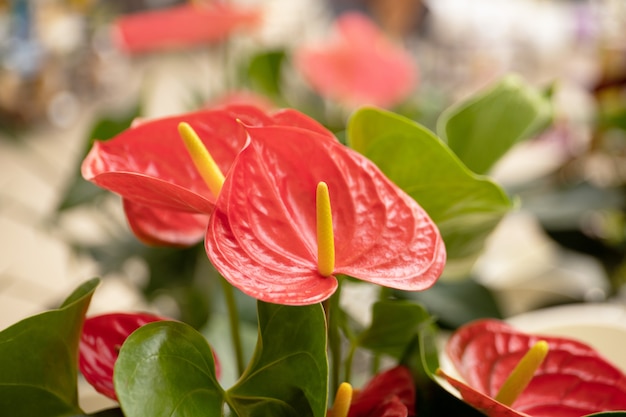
(375, 364)
(233, 317)
(348, 363)
(331, 308)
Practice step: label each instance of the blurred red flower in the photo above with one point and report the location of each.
(359, 65)
(189, 24)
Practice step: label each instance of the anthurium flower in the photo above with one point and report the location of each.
(185, 25)
(359, 65)
(390, 394)
(264, 225)
(165, 198)
(572, 380)
(263, 235)
(100, 341)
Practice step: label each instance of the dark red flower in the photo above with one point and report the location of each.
(189, 24)
(359, 65)
(573, 380)
(388, 394)
(100, 342)
(262, 227)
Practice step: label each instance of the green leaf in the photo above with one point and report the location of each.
(39, 357)
(483, 128)
(456, 303)
(264, 72)
(167, 369)
(394, 325)
(466, 207)
(288, 374)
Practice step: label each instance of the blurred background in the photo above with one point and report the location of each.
(66, 78)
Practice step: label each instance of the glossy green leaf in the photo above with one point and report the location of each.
(39, 360)
(288, 374)
(456, 302)
(466, 207)
(167, 369)
(483, 128)
(395, 323)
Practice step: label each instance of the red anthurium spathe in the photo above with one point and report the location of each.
(185, 25)
(165, 199)
(262, 227)
(359, 66)
(572, 381)
(389, 394)
(262, 235)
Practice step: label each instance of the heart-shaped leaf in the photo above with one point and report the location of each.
(483, 128)
(573, 380)
(39, 357)
(288, 374)
(167, 369)
(465, 207)
(100, 343)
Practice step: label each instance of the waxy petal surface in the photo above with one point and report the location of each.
(359, 65)
(574, 380)
(165, 199)
(264, 240)
(165, 227)
(182, 26)
(149, 164)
